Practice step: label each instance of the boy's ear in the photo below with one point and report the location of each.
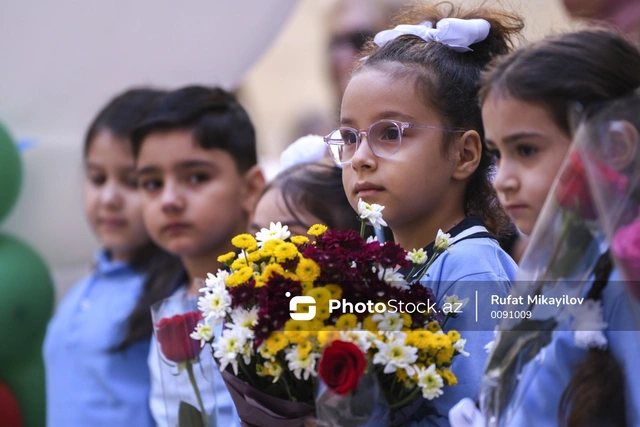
(624, 138)
(468, 151)
(254, 184)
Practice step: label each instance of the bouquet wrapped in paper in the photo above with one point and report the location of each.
(286, 298)
(590, 217)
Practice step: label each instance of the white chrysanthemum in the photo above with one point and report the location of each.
(275, 369)
(203, 333)
(443, 241)
(391, 277)
(214, 282)
(455, 302)
(388, 321)
(243, 318)
(276, 231)
(394, 355)
(371, 213)
(430, 382)
(301, 366)
(417, 256)
(362, 339)
(371, 239)
(228, 347)
(459, 347)
(215, 305)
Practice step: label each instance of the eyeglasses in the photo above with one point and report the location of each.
(384, 137)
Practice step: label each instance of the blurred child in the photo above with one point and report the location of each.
(526, 100)
(412, 140)
(304, 195)
(199, 181)
(97, 344)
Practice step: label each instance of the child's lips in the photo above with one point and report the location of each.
(366, 188)
(175, 228)
(112, 222)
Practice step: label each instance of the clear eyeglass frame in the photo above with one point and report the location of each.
(382, 144)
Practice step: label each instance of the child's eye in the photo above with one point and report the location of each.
(527, 150)
(150, 185)
(494, 154)
(97, 180)
(197, 178)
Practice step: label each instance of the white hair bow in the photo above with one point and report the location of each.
(456, 33)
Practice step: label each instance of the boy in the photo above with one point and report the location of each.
(199, 180)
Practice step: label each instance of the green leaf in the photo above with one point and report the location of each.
(189, 416)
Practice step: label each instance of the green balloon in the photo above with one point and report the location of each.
(10, 172)
(26, 305)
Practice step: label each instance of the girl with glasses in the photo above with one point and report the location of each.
(411, 139)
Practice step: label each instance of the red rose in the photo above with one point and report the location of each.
(173, 333)
(341, 367)
(573, 187)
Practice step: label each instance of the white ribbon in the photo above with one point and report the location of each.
(456, 33)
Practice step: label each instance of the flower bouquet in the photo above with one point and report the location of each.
(589, 202)
(186, 379)
(286, 297)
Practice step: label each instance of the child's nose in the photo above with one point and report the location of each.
(110, 194)
(172, 199)
(363, 156)
(506, 179)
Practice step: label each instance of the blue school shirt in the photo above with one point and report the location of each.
(545, 378)
(87, 383)
(476, 268)
(163, 399)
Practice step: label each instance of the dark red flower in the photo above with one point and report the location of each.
(341, 367)
(173, 333)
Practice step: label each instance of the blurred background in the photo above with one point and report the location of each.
(64, 59)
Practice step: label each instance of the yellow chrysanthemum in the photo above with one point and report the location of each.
(316, 325)
(322, 311)
(276, 342)
(406, 320)
(306, 286)
(254, 256)
(317, 230)
(304, 348)
(445, 355)
(346, 321)
(285, 252)
(449, 377)
(291, 276)
(245, 241)
(227, 258)
(369, 324)
(296, 331)
(299, 240)
(419, 338)
(260, 371)
(260, 282)
(327, 335)
(453, 336)
(271, 269)
(239, 263)
(336, 290)
(239, 277)
(269, 246)
(307, 270)
(433, 327)
(320, 294)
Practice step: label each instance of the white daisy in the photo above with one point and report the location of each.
(371, 213)
(443, 241)
(459, 346)
(430, 382)
(455, 303)
(302, 366)
(417, 256)
(228, 347)
(394, 355)
(243, 318)
(275, 231)
(203, 333)
(215, 305)
(391, 277)
(388, 321)
(217, 281)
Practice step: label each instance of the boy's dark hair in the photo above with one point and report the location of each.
(119, 117)
(586, 66)
(448, 81)
(214, 116)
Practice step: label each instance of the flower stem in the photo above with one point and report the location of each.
(426, 267)
(362, 225)
(410, 398)
(194, 384)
